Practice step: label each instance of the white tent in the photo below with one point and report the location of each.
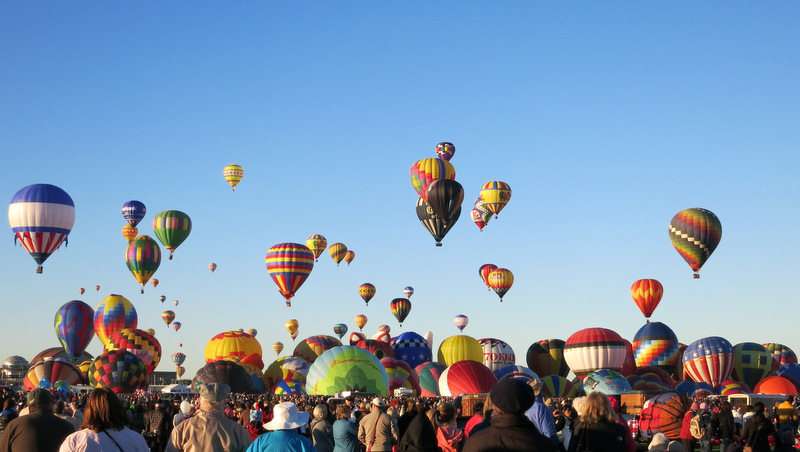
(176, 388)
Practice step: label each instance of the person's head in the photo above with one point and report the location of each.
(40, 399)
(321, 411)
(342, 411)
(213, 395)
(659, 442)
(349, 401)
(598, 409)
(378, 403)
(104, 411)
(758, 408)
(286, 417)
(445, 414)
(477, 407)
(512, 396)
(536, 385)
(790, 398)
(185, 406)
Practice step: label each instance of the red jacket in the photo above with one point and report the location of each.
(687, 419)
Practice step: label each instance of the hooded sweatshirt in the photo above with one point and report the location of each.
(449, 437)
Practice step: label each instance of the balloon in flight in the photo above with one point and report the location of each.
(695, 234)
(143, 257)
(289, 265)
(437, 226)
(172, 228)
(445, 150)
(317, 244)
(647, 294)
(337, 252)
(233, 174)
(133, 212)
(495, 195)
(366, 291)
(425, 171)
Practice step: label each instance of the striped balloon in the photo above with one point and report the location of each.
(695, 234)
(495, 195)
(143, 258)
(500, 281)
(52, 370)
(289, 265)
(425, 171)
(133, 212)
(317, 244)
(233, 175)
(172, 227)
(400, 307)
(41, 217)
(337, 252)
(647, 293)
(74, 327)
(709, 360)
(129, 232)
(112, 315)
(142, 344)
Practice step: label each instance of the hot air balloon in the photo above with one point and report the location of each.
(233, 175)
(497, 354)
(133, 212)
(172, 227)
(459, 348)
(361, 320)
(52, 370)
(41, 217)
(400, 307)
(514, 371)
(411, 348)
(775, 385)
(695, 234)
(425, 171)
(437, 226)
(429, 374)
(752, 363)
(176, 326)
(484, 271)
(97, 288)
(142, 344)
(313, 346)
(647, 294)
(445, 198)
(591, 349)
(162, 298)
(655, 344)
(143, 257)
(317, 244)
(340, 329)
(212, 266)
(445, 150)
(150, 331)
(606, 381)
(337, 252)
(252, 331)
(119, 370)
(384, 329)
(347, 368)
(466, 377)
(277, 347)
(154, 282)
(546, 357)
(231, 345)
(500, 281)
(367, 291)
(709, 360)
(557, 386)
(168, 316)
(291, 327)
(112, 315)
(289, 387)
(349, 256)
(129, 232)
(495, 195)
(179, 371)
(461, 321)
(408, 291)
(400, 375)
(480, 214)
(781, 354)
(286, 368)
(289, 265)
(176, 302)
(74, 327)
(225, 372)
(178, 358)
(81, 290)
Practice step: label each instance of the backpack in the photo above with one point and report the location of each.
(697, 427)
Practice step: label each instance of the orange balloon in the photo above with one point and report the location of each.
(647, 294)
(361, 320)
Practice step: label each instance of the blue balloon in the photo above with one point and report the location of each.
(790, 372)
(606, 381)
(412, 348)
(133, 211)
(691, 388)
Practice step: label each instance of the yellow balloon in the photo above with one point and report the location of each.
(291, 327)
(231, 345)
(233, 174)
(337, 252)
(460, 348)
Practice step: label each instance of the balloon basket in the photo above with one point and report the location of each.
(39, 270)
(695, 276)
(438, 244)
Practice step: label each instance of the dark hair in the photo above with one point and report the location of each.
(445, 413)
(758, 408)
(477, 407)
(103, 411)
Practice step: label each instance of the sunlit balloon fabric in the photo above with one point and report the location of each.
(752, 363)
(74, 325)
(133, 212)
(340, 329)
(495, 195)
(289, 265)
(497, 354)
(52, 370)
(349, 256)
(411, 348)
(695, 234)
(112, 315)
(546, 357)
(347, 368)
(781, 354)
(233, 174)
(400, 308)
(461, 321)
(277, 347)
(437, 226)
(233, 345)
(337, 251)
(484, 271)
(608, 382)
(366, 291)
(655, 344)
(317, 244)
(41, 217)
(361, 321)
(142, 344)
(591, 349)
(286, 368)
(289, 387)
(178, 358)
(313, 346)
(647, 293)
(119, 370)
(143, 257)
(480, 214)
(558, 386)
(466, 377)
(459, 348)
(428, 170)
(500, 281)
(709, 360)
(129, 232)
(292, 327)
(168, 316)
(172, 227)
(429, 374)
(445, 150)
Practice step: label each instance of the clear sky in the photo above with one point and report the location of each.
(606, 119)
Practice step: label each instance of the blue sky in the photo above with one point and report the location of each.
(605, 118)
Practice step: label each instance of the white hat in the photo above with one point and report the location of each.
(286, 417)
(377, 401)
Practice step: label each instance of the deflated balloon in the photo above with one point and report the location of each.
(695, 234)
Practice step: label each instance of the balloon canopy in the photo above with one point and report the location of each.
(347, 368)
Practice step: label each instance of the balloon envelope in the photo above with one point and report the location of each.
(497, 354)
(466, 377)
(142, 344)
(495, 195)
(112, 315)
(133, 212)
(366, 291)
(461, 321)
(233, 174)
(606, 381)
(445, 150)
(311, 347)
(429, 374)
(119, 370)
(647, 293)
(425, 171)
(592, 349)
(411, 348)
(546, 357)
(225, 372)
(400, 308)
(347, 368)
(437, 226)
(709, 360)
(74, 325)
(751, 364)
(317, 244)
(655, 344)
(52, 370)
(143, 257)
(695, 234)
(460, 348)
(172, 228)
(337, 252)
(500, 281)
(289, 265)
(233, 345)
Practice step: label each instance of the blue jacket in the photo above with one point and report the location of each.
(281, 441)
(542, 419)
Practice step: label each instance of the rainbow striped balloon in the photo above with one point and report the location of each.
(289, 265)
(695, 234)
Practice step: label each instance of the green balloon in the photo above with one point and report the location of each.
(172, 227)
(347, 368)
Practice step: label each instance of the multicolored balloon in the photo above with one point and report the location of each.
(366, 291)
(514, 371)
(286, 368)
(119, 370)
(129, 232)
(695, 234)
(425, 171)
(41, 217)
(349, 256)
(143, 257)
(558, 386)
(495, 195)
(213, 267)
(289, 387)
(168, 316)
(606, 381)
(178, 358)
(313, 346)
(179, 371)
(233, 174)
(400, 308)
(252, 331)
(113, 314)
(52, 370)
(231, 345)
(81, 290)
(289, 265)
(277, 347)
(74, 327)
(497, 354)
(361, 320)
(709, 360)
(408, 291)
(411, 348)
(437, 226)
(751, 364)
(655, 344)
(546, 357)
(317, 244)
(142, 344)
(162, 298)
(340, 329)
(133, 212)
(591, 349)
(154, 282)
(176, 326)
(781, 354)
(484, 271)
(172, 227)
(461, 321)
(347, 368)
(429, 374)
(500, 281)
(480, 214)
(292, 327)
(647, 293)
(337, 252)
(445, 150)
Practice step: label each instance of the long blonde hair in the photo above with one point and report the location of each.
(598, 409)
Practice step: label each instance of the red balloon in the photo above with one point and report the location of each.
(775, 385)
(647, 294)
(466, 377)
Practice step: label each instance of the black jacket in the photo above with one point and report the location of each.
(509, 432)
(599, 436)
(419, 435)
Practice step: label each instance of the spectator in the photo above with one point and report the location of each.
(321, 429)
(345, 433)
(283, 436)
(377, 430)
(40, 430)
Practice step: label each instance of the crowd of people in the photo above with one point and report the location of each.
(513, 417)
